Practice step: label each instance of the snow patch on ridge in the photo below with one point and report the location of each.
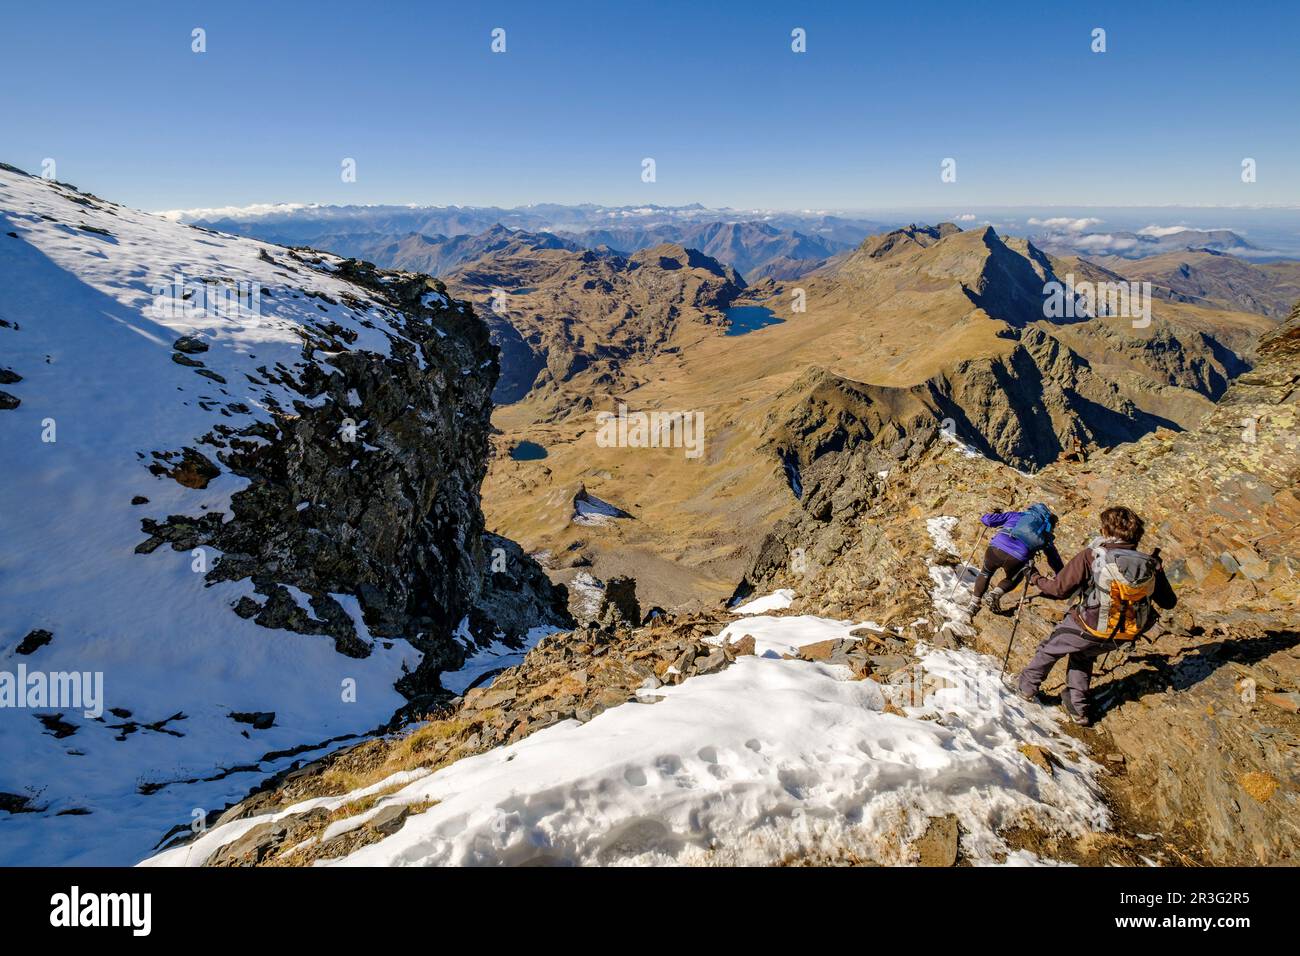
(940, 530)
(965, 449)
(483, 663)
(766, 761)
(950, 595)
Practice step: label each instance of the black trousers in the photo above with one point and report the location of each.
(995, 559)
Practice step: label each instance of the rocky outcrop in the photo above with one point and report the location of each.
(1025, 409)
(369, 486)
(889, 244)
(292, 444)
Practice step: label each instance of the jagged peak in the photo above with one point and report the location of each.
(907, 239)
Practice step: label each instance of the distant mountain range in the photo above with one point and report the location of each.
(757, 250)
(436, 239)
(438, 254)
(759, 244)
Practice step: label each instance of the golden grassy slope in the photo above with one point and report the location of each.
(897, 320)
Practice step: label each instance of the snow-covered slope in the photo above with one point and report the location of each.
(769, 760)
(107, 403)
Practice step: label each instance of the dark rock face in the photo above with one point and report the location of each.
(392, 511)
(189, 345)
(369, 486)
(619, 606)
(34, 641)
(515, 594)
(260, 720)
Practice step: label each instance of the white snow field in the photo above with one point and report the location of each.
(96, 367)
(766, 761)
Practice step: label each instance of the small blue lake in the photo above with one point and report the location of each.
(750, 318)
(528, 451)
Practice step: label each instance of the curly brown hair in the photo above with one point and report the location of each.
(1122, 523)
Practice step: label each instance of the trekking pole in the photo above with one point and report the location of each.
(971, 560)
(1016, 623)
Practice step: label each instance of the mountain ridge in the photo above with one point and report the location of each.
(250, 485)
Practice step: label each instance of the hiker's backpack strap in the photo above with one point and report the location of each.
(1097, 594)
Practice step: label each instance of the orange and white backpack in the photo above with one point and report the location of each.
(1118, 595)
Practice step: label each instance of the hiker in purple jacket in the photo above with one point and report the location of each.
(1023, 534)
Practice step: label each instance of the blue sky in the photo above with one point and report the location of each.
(711, 91)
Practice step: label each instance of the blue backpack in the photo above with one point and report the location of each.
(1033, 527)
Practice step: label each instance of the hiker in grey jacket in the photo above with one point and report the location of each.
(1116, 586)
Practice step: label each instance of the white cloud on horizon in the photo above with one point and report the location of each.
(253, 211)
(1066, 224)
(1159, 231)
(1105, 242)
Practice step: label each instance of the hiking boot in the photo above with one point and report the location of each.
(993, 600)
(1012, 683)
(1076, 718)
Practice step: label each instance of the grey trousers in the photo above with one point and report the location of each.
(1079, 650)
